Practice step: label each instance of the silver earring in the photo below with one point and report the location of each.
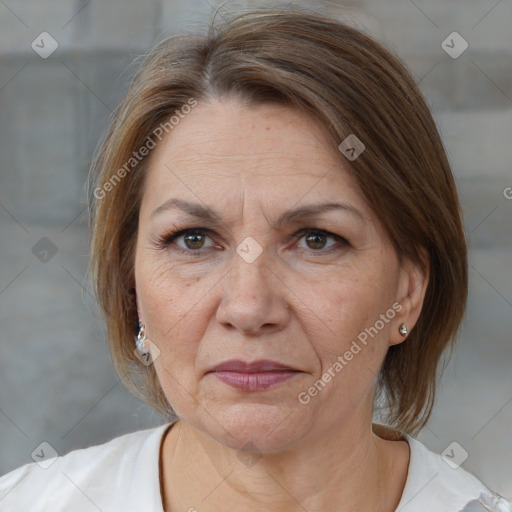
(403, 329)
(140, 340)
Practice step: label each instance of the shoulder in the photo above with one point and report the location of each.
(438, 483)
(99, 477)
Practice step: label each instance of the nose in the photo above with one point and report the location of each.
(252, 300)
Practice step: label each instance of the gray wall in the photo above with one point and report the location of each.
(56, 380)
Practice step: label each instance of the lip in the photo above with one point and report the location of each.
(262, 365)
(255, 376)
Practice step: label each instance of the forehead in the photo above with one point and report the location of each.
(223, 150)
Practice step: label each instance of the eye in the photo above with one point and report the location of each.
(193, 240)
(315, 239)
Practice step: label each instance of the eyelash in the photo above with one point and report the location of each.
(167, 239)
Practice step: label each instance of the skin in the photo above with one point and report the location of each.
(301, 302)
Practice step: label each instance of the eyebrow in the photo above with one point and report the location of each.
(294, 215)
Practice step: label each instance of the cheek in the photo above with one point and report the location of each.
(357, 313)
(170, 309)
(164, 298)
(350, 354)
(354, 302)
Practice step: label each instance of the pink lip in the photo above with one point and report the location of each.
(255, 376)
(262, 365)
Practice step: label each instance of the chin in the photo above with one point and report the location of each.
(270, 428)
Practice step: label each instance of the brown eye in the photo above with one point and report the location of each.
(194, 240)
(316, 239)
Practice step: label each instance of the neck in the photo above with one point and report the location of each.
(352, 468)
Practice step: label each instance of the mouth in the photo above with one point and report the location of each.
(256, 376)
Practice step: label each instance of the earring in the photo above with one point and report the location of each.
(403, 329)
(140, 340)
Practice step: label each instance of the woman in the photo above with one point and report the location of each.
(276, 219)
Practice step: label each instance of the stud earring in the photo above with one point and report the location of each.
(140, 339)
(403, 329)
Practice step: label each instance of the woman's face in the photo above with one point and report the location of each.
(305, 292)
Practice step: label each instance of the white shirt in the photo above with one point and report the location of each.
(123, 475)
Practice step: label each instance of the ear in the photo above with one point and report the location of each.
(411, 289)
(139, 314)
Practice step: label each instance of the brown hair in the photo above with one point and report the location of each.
(352, 85)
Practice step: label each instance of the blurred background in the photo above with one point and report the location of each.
(65, 66)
